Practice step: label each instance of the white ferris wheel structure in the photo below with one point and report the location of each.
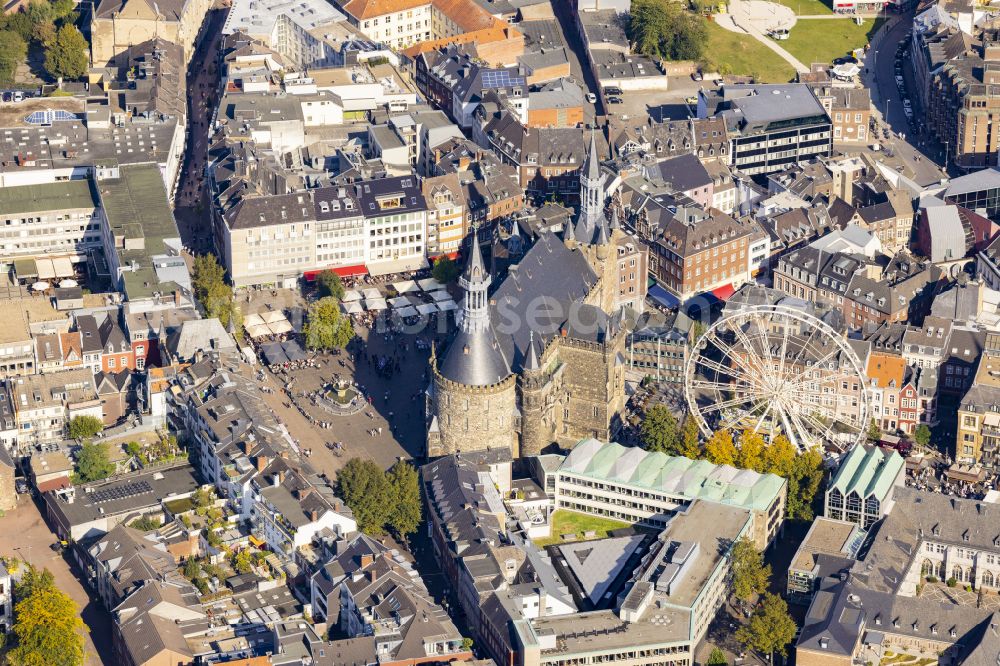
(776, 370)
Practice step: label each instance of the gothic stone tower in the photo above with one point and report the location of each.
(473, 402)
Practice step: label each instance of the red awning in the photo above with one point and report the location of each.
(723, 293)
(342, 271)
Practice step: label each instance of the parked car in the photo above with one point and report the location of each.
(21, 486)
(18, 96)
(613, 90)
(614, 99)
(591, 97)
(691, 100)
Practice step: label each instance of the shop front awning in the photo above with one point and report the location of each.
(398, 266)
(724, 293)
(25, 269)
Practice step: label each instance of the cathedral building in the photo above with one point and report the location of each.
(539, 361)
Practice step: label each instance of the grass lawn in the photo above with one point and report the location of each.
(731, 53)
(822, 40)
(807, 7)
(571, 522)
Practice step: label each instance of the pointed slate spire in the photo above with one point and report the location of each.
(592, 167)
(601, 237)
(474, 268)
(614, 218)
(532, 363)
(476, 282)
(569, 232)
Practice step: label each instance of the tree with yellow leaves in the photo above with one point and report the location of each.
(751, 454)
(779, 456)
(47, 628)
(720, 448)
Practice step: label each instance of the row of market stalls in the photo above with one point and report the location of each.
(413, 298)
(267, 324)
(43, 274)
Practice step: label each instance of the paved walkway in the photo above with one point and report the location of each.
(743, 16)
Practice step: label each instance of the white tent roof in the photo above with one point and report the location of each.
(408, 311)
(46, 271)
(441, 295)
(445, 306)
(404, 286)
(252, 320)
(272, 316)
(279, 327)
(426, 308)
(354, 307)
(375, 304)
(399, 302)
(372, 293)
(351, 295)
(430, 284)
(63, 267)
(258, 331)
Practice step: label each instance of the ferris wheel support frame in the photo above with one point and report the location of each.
(791, 422)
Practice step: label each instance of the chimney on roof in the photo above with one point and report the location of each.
(262, 462)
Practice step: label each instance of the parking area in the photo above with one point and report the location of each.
(671, 104)
(33, 544)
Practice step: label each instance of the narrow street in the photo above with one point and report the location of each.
(192, 205)
(579, 61)
(923, 160)
(32, 544)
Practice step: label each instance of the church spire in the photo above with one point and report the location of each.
(532, 363)
(476, 282)
(591, 195)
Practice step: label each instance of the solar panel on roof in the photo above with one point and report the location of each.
(500, 78)
(48, 116)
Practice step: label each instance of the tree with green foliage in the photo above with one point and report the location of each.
(364, 487)
(750, 576)
(922, 435)
(874, 431)
(751, 453)
(720, 448)
(326, 327)
(329, 284)
(18, 22)
(804, 483)
(66, 57)
(717, 658)
(243, 561)
(13, 50)
(770, 628)
(407, 509)
(445, 270)
(92, 462)
(134, 449)
(145, 524)
(85, 426)
(666, 30)
(47, 627)
(690, 446)
(203, 498)
(660, 431)
(192, 569)
(213, 293)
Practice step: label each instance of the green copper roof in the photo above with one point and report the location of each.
(868, 471)
(691, 479)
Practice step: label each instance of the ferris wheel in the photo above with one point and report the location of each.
(778, 370)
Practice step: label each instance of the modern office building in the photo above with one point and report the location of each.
(863, 489)
(770, 126)
(636, 486)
